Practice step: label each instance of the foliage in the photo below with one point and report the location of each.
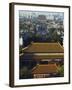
(61, 70)
(25, 72)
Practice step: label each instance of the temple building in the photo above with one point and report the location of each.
(45, 51)
(44, 58)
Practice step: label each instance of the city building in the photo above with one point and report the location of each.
(41, 26)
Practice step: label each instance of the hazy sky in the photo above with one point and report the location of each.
(36, 13)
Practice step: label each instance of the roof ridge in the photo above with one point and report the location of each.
(25, 48)
(35, 67)
(44, 42)
(60, 45)
(46, 64)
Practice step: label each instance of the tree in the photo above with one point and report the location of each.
(61, 70)
(25, 72)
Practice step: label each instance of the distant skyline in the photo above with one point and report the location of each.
(24, 13)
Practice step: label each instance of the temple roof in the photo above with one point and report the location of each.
(44, 48)
(45, 69)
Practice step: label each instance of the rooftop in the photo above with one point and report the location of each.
(44, 48)
(41, 17)
(45, 69)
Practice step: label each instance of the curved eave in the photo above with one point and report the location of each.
(39, 56)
